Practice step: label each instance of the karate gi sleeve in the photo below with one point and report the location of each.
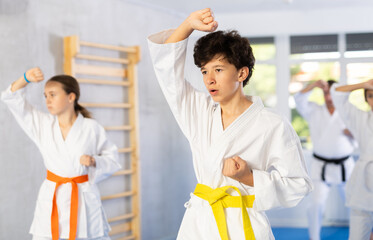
(302, 104)
(348, 112)
(106, 158)
(284, 182)
(186, 103)
(29, 118)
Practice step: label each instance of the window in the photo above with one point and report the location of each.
(301, 75)
(359, 45)
(359, 55)
(357, 73)
(317, 57)
(314, 47)
(263, 80)
(312, 58)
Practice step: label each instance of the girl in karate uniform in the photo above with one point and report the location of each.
(246, 158)
(76, 154)
(359, 188)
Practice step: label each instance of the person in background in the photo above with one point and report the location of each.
(359, 189)
(333, 145)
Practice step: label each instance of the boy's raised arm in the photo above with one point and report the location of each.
(202, 20)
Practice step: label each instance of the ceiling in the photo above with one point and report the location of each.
(236, 6)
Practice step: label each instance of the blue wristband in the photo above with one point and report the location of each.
(24, 75)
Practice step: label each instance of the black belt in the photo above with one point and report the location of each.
(337, 161)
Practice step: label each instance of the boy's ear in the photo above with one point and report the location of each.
(243, 73)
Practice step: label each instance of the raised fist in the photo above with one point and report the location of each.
(203, 20)
(34, 75)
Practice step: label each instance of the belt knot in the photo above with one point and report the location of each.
(216, 195)
(73, 207)
(219, 199)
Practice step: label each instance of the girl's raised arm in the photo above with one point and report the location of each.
(32, 75)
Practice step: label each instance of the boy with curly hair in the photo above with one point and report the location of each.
(246, 158)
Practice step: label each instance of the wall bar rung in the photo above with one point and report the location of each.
(100, 71)
(103, 82)
(103, 59)
(125, 150)
(118, 128)
(123, 172)
(118, 195)
(109, 47)
(127, 238)
(120, 228)
(122, 217)
(106, 105)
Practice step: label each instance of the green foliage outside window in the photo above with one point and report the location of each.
(263, 80)
(322, 70)
(263, 84)
(264, 52)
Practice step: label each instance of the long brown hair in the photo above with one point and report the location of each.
(71, 85)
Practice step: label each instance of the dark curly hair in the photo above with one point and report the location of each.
(231, 45)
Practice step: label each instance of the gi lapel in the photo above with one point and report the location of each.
(74, 147)
(75, 129)
(69, 146)
(217, 151)
(60, 142)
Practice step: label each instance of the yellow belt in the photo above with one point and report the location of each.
(219, 199)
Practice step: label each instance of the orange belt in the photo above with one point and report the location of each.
(74, 203)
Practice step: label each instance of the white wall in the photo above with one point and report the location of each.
(31, 33)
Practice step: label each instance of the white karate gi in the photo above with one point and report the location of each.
(62, 157)
(264, 139)
(330, 142)
(359, 188)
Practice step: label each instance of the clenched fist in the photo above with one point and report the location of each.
(239, 170)
(202, 20)
(88, 161)
(34, 75)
